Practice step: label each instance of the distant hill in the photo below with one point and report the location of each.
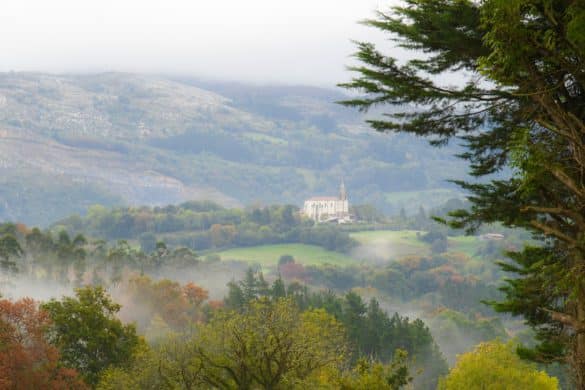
(70, 141)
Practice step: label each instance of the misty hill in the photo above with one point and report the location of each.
(70, 141)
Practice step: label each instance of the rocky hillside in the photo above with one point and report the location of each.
(69, 141)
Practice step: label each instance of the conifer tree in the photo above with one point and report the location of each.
(521, 106)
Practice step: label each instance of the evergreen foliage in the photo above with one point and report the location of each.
(521, 106)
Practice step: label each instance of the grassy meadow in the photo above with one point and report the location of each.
(375, 246)
(268, 255)
(387, 245)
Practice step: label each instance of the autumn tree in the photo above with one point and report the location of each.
(27, 360)
(177, 306)
(195, 297)
(269, 345)
(88, 334)
(519, 104)
(495, 365)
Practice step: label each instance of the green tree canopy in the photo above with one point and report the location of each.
(272, 345)
(269, 345)
(9, 249)
(88, 334)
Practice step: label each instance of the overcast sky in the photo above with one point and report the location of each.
(265, 41)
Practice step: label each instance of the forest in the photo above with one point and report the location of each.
(163, 301)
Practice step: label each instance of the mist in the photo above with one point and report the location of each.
(15, 286)
(257, 41)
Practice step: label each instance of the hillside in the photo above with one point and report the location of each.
(70, 141)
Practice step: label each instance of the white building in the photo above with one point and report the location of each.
(328, 208)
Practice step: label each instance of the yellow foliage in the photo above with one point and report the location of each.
(495, 366)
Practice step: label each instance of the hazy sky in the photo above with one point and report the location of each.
(297, 41)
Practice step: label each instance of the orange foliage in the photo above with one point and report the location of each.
(22, 229)
(457, 279)
(446, 273)
(215, 304)
(222, 234)
(411, 262)
(177, 305)
(293, 271)
(195, 295)
(457, 258)
(27, 360)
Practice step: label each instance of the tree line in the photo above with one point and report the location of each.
(205, 225)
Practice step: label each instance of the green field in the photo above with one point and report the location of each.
(466, 244)
(268, 255)
(388, 244)
(397, 237)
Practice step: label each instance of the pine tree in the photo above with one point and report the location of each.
(521, 105)
(278, 288)
(9, 249)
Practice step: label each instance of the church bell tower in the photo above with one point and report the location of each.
(342, 191)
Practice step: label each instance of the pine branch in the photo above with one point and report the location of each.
(575, 216)
(567, 182)
(548, 230)
(566, 319)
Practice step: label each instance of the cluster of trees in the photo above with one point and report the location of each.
(450, 280)
(88, 334)
(205, 225)
(371, 333)
(27, 359)
(62, 344)
(163, 306)
(272, 345)
(43, 255)
(265, 335)
(268, 342)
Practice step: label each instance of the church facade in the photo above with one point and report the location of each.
(328, 208)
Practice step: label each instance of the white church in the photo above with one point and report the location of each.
(329, 208)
